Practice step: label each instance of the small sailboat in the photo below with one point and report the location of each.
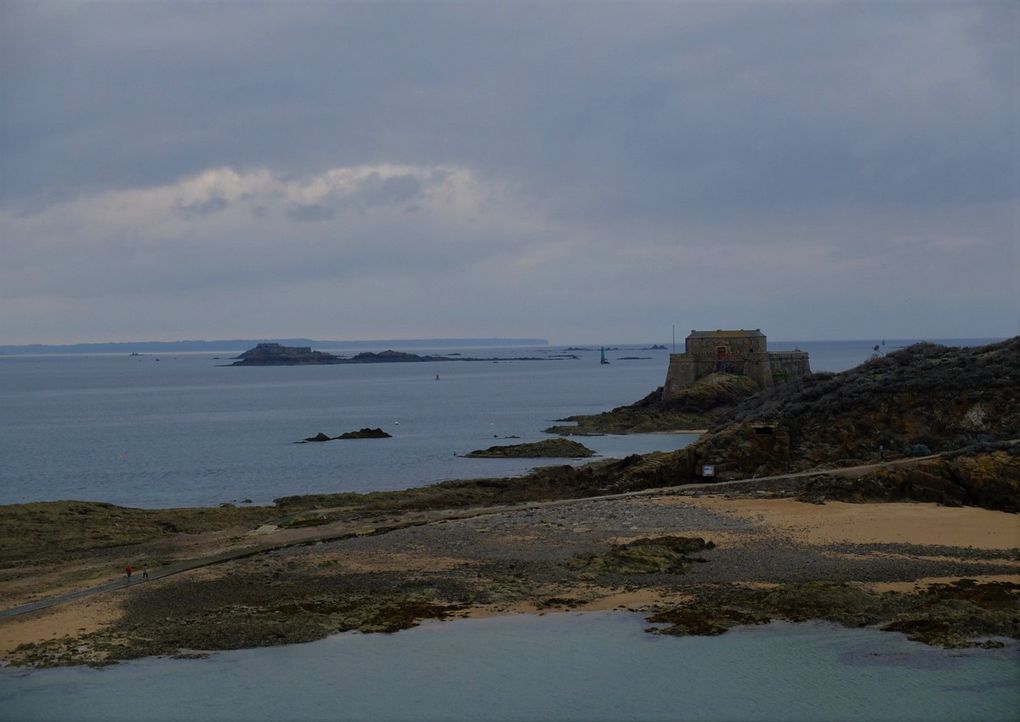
(603, 360)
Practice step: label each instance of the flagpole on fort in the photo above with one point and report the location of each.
(674, 338)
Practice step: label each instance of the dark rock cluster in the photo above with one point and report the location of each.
(365, 433)
(549, 448)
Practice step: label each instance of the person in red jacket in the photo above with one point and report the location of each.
(127, 571)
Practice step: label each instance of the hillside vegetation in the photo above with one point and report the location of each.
(709, 400)
(913, 402)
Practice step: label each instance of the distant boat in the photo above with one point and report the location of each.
(603, 359)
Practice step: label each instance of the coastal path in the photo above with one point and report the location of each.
(286, 538)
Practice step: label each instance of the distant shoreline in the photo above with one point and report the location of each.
(243, 344)
(239, 345)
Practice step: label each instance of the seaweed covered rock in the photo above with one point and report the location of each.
(662, 555)
(962, 614)
(549, 448)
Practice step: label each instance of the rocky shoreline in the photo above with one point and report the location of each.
(674, 556)
(882, 497)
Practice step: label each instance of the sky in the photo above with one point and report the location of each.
(583, 172)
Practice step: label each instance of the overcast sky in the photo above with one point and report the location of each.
(584, 172)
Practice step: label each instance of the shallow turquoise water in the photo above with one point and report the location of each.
(556, 667)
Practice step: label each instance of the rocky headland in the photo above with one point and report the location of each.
(959, 403)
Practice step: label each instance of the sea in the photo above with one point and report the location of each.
(187, 429)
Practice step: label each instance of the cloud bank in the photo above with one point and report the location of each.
(575, 171)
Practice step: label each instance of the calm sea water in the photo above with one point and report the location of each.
(558, 667)
(186, 431)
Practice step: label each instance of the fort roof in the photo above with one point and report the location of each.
(719, 333)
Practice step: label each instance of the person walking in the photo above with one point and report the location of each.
(145, 575)
(127, 572)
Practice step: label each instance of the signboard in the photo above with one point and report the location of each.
(708, 470)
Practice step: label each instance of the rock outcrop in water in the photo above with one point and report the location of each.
(390, 357)
(365, 433)
(274, 354)
(550, 448)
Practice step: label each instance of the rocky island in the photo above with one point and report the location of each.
(885, 496)
(549, 448)
(365, 433)
(274, 354)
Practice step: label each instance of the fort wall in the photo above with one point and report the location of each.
(739, 352)
(789, 365)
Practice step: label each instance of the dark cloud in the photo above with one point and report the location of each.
(639, 107)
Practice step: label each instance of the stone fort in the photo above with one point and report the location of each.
(735, 352)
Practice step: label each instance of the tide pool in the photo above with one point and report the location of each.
(599, 666)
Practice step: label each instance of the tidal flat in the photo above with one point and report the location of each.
(696, 560)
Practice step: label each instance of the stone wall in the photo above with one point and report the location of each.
(789, 365)
(739, 352)
(682, 372)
